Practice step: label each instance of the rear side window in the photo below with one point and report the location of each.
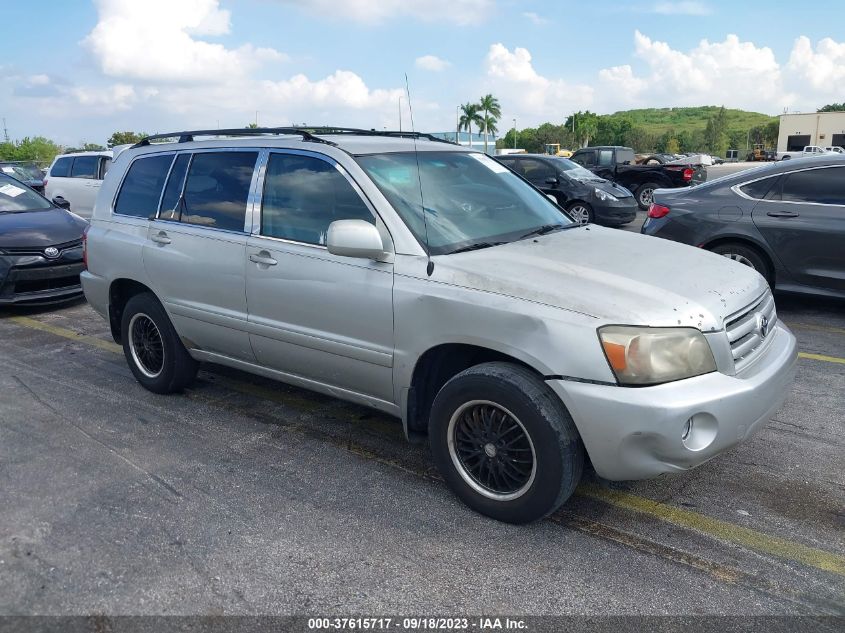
(625, 156)
(217, 189)
(303, 195)
(536, 170)
(173, 191)
(141, 189)
(822, 186)
(61, 168)
(104, 167)
(587, 159)
(85, 167)
(605, 157)
(759, 188)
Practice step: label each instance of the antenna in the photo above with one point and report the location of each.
(430, 266)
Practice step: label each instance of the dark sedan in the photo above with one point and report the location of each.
(40, 247)
(786, 220)
(585, 196)
(28, 173)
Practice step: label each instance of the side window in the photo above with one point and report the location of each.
(822, 186)
(61, 168)
(141, 188)
(536, 170)
(587, 159)
(760, 188)
(173, 190)
(85, 167)
(605, 157)
(303, 195)
(217, 189)
(105, 163)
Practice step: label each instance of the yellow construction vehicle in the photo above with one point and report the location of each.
(553, 149)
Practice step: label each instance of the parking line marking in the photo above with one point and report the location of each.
(752, 539)
(817, 328)
(822, 357)
(723, 530)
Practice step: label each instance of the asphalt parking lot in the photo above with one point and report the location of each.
(245, 496)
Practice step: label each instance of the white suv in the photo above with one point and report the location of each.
(76, 179)
(411, 275)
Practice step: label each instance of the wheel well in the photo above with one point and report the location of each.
(770, 266)
(120, 292)
(435, 368)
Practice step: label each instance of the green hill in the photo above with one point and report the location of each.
(658, 121)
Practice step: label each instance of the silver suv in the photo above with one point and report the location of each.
(431, 282)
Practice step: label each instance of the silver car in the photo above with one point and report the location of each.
(432, 283)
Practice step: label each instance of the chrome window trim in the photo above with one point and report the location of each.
(119, 187)
(741, 194)
(164, 186)
(181, 191)
(256, 230)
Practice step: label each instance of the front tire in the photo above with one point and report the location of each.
(505, 443)
(645, 194)
(580, 212)
(152, 347)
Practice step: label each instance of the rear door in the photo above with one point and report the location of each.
(803, 221)
(84, 184)
(196, 250)
(312, 314)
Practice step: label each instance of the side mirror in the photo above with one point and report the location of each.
(551, 180)
(354, 238)
(61, 203)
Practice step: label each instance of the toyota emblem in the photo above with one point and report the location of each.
(51, 252)
(764, 326)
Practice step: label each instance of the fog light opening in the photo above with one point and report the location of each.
(686, 430)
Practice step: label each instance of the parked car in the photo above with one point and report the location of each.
(786, 221)
(26, 172)
(585, 196)
(809, 151)
(835, 149)
(717, 160)
(40, 247)
(76, 178)
(617, 164)
(429, 281)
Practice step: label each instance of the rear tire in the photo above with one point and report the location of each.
(645, 194)
(153, 350)
(746, 255)
(505, 443)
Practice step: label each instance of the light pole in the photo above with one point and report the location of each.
(400, 114)
(514, 133)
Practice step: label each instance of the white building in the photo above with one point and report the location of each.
(816, 128)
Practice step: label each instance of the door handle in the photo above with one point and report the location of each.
(263, 258)
(782, 214)
(161, 238)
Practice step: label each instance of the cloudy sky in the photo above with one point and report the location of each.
(79, 70)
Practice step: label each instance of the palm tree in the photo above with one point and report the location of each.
(469, 115)
(488, 124)
(492, 112)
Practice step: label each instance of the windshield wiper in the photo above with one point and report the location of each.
(475, 247)
(542, 230)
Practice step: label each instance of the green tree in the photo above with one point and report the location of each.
(833, 107)
(469, 115)
(585, 125)
(37, 149)
(771, 132)
(251, 126)
(492, 111)
(125, 138)
(716, 132)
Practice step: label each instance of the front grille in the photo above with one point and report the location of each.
(30, 250)
(40, 285)
(745, 333)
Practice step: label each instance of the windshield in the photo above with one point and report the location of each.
(22, 171)
(470, 199)
(15, 196)
(574, 170)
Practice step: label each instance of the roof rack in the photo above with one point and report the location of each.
(307, 134)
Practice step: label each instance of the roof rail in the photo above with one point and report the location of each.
(189, 135)
(307, 134)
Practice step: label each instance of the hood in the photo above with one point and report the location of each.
(605, 185)
(39, 228)
(615, 276)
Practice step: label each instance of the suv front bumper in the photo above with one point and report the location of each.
(637, 432)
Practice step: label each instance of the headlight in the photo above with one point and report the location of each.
(650, 356)
(601, 194)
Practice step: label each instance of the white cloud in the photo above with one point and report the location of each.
(531, 96)
(823, 68)
(431, 62)
(680, 7)
(534, 18)
(461, 12)
(732, 72)
(154, 41)
(105, 99)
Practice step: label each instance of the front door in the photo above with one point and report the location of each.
(315, 315)
(803, 221)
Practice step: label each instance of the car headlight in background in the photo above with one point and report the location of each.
(601, 194)
(650, 356)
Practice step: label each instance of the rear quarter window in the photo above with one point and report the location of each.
(217, 188)
(61, 168)
(141, 188)
(759, 188)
